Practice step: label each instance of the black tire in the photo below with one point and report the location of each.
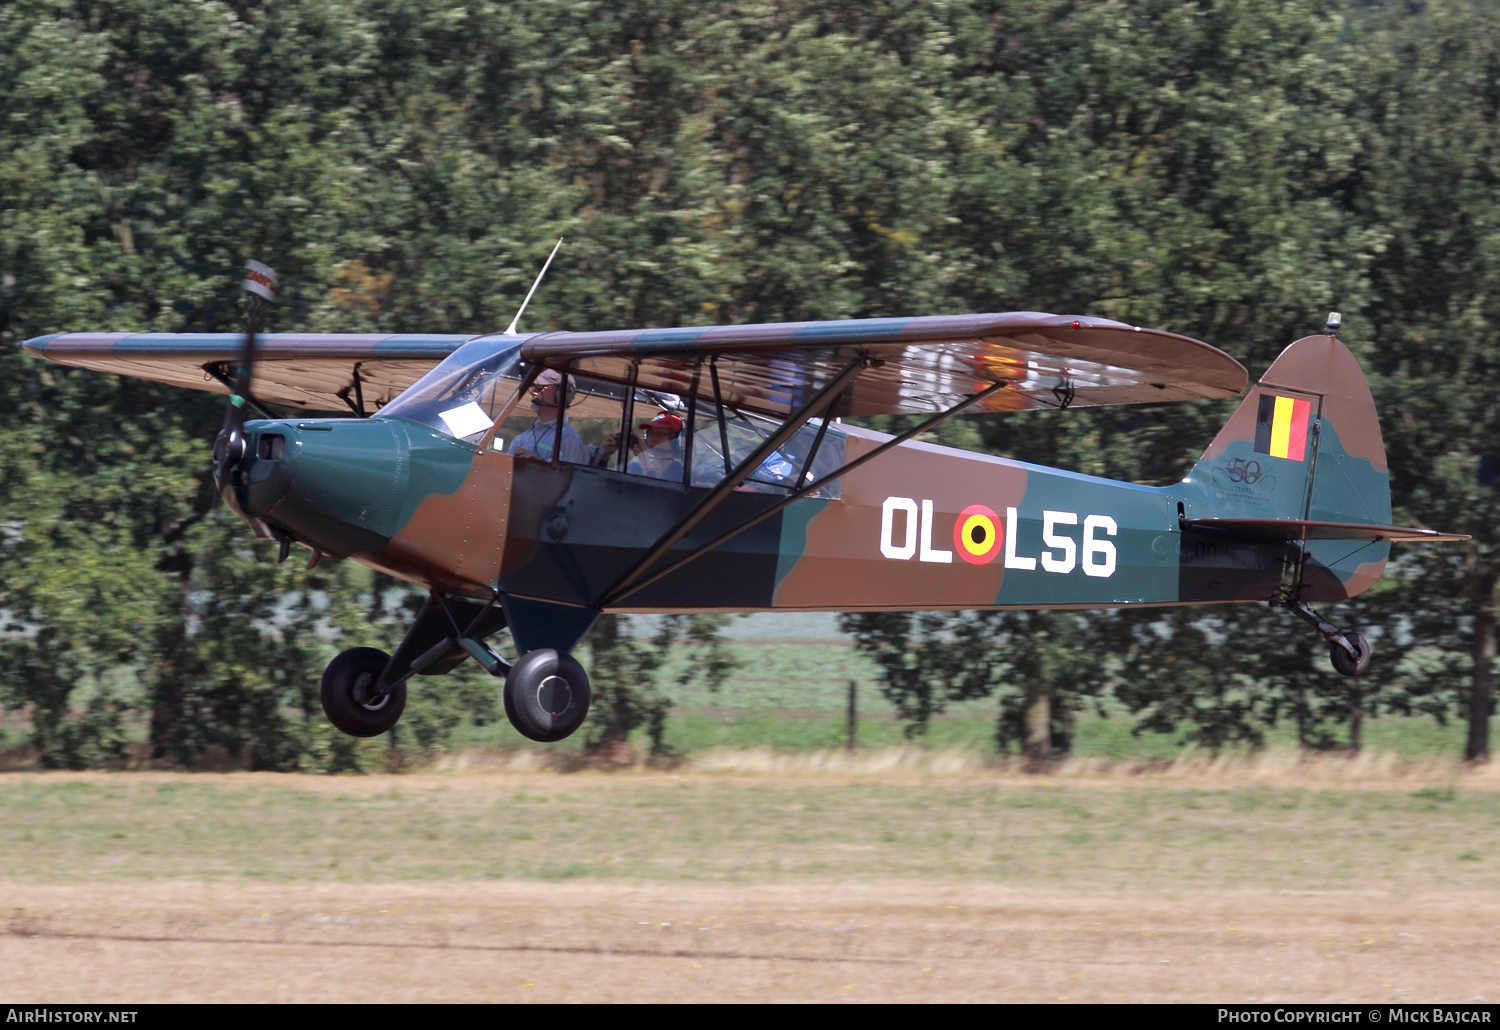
(1347, 664)
(546, 695)
(346, 685)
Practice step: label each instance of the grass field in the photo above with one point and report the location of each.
(886, 877)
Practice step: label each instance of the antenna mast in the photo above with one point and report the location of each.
(511, 331)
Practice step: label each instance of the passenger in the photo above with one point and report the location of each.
(776, 472)
(661, 455)
(537, 441)
(778, 468)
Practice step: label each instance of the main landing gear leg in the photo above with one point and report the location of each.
(1348, 651)
(546, 692)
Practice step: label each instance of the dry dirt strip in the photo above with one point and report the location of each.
(517, 941)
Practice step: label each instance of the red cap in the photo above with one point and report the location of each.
(664, 420)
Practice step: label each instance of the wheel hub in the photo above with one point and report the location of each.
(363, 684)
(554, 695)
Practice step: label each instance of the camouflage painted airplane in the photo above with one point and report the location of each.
(502, 474)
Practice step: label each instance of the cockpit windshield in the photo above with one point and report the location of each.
(464, 394)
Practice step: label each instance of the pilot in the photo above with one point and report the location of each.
(537, 441)
(660, 457)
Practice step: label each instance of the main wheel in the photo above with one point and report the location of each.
(347, 700)
(1351, 664)
(546, 695)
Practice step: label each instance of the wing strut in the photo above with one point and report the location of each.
(713, 372)
(786, 502)
(218, 373)
(722, 489)
(358, 404)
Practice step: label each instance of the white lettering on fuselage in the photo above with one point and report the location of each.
(928, 552)
(901, 551)
(1096, 555)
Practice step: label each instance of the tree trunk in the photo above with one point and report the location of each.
(167, 734)
(1356, 716)
(1481, 697)
(168, 697)
(1038, 749)
(611, 693)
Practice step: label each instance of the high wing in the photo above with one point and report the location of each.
(917, 365)
(314, 371)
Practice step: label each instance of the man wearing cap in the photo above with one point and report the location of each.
(537, 441)
(661, 455)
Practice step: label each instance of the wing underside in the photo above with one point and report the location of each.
(915, 365)
(312, 371)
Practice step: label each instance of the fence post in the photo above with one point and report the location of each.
(853, 728)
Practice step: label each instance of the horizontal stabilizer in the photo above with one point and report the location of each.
(1298, 529)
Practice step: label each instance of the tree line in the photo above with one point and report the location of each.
(1228, 170)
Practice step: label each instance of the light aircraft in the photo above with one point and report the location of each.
(503, 474)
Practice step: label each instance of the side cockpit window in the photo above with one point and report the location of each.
(662, 436)
(722, 443)
(589, 411)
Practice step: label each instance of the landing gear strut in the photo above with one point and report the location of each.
(1348, 651)
(546, 692)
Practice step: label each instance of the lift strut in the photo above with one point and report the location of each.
(629, 588)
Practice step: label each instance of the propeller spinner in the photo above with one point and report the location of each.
(229, 445)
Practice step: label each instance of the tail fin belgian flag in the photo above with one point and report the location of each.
(1281, 426)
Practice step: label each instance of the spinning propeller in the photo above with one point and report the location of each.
(229, 445)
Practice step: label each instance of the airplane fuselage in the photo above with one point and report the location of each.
(921, 527)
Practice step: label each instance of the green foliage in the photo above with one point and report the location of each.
(625, 674)
(927, 660)
(1231, 676)
(1432, 132)
(932, 659)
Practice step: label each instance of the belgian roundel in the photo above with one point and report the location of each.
(976, 534)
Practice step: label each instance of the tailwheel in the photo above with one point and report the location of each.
(546, 695)
(1349, 651)
(1344, 662)
(349, 699)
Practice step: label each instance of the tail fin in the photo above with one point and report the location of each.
(1305, 444)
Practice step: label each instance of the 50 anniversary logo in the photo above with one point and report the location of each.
(978, 533)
